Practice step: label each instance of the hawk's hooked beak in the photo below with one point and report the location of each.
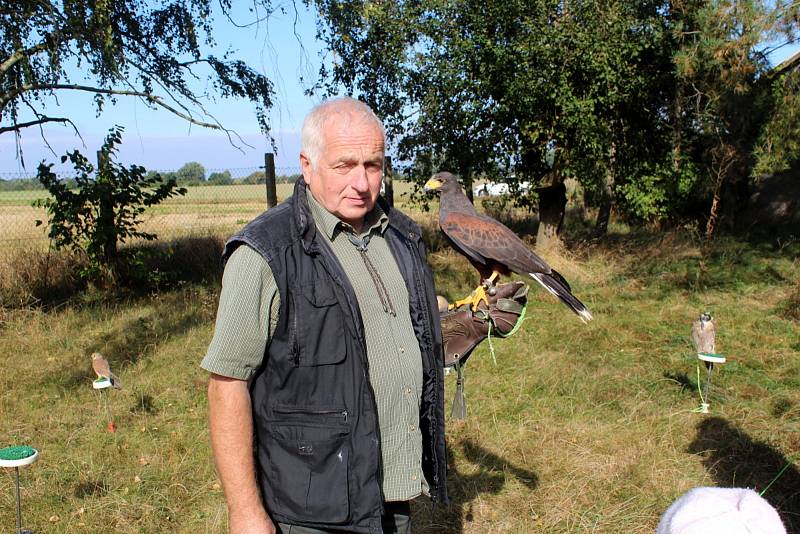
(432, 185)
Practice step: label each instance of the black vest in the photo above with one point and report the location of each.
(314, 411)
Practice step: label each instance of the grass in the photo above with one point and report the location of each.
(578, 428)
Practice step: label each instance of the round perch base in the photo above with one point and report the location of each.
(101, 383)
(17, 456)
(712, 358)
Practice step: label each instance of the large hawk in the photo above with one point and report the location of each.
(492, 248)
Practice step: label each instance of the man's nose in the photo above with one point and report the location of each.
(359, 181)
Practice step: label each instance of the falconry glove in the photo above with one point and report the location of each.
(463, 330)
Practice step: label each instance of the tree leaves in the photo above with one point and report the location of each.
(104, 208)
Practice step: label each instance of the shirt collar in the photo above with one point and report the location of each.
(331, 225)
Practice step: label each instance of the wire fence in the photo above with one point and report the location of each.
(217, 201)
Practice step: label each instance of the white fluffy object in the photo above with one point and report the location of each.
(720, 511)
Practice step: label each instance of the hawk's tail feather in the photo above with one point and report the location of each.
(559, 287)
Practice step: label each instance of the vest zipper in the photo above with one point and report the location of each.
(302, 411)
(294, 338)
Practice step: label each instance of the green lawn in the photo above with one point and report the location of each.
(577, 428)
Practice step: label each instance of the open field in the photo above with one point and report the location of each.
(577, 428)
(207, 209)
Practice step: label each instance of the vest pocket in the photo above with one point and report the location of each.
(308, 468)
(320, 327)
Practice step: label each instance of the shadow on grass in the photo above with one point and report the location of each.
(126, 342)
(682, 379)
(89, 488)
(676, 262)
(51, 279)
(734, 459)
(465, 489)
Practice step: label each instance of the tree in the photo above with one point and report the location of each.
(153, 51)
(495, 88)
(721, 57)
(105, 209)
(255, 177)
(778, 146)
(220, 178)
(191, 174)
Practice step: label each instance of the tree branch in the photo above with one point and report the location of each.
(19, 54)
(147, 97)
(20, 125)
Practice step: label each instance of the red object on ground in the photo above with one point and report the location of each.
(112, 427)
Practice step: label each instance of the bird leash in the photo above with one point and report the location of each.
(782, 471)
(705, 391)
(513, 331)
(703, 408)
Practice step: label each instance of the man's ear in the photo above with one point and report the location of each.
(305, 167)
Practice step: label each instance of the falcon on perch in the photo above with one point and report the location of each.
(704, 334)
(103, 370)
(492, 248)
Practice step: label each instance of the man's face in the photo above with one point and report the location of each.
(347, 176)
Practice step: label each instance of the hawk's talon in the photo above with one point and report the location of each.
(478, 295)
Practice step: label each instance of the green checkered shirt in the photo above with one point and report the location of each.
(248, 312)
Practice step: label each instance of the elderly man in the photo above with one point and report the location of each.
(326, 389)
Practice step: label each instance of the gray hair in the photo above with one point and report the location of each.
(311, 133)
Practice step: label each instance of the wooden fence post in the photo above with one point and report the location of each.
(388, 192)
(106, 219)
(269, 174)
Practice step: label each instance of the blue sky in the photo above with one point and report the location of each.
(284, 49)
(280, 49)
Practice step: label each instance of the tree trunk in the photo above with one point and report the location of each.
(677, 128)
(107, 223)
(711, 225)
(552, 203)
(607, 199)
(722, 158)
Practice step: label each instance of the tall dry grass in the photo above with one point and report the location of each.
(34, 277)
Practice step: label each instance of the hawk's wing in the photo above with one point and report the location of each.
(484, 239)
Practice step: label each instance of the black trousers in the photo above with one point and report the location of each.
(396, 520)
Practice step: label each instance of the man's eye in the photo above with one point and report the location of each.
(343, 167)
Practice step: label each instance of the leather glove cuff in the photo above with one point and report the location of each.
(463, 329)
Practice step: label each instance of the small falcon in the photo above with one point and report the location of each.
(703, 334)
(103, 370)
(492, 248)
(704, 337)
